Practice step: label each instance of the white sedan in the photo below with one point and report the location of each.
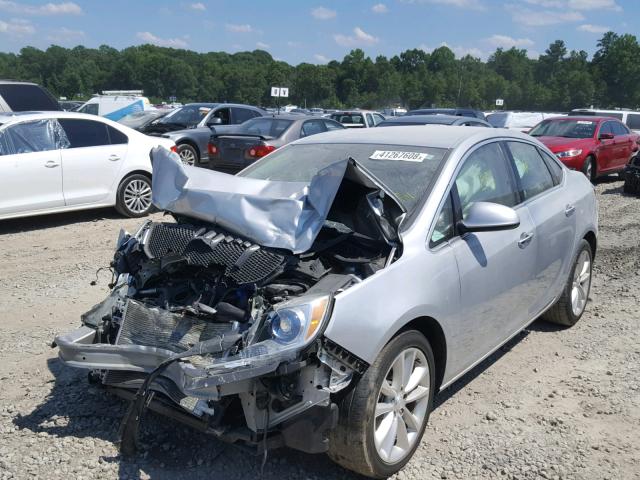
(63, 161)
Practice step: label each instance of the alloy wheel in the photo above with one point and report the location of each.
(137, 196)
(581, 283)
(188, 157)
(402, 405)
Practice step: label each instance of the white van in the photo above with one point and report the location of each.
(522, 121)
(631, 118)
(115, 104)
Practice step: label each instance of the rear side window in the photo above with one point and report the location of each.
(333, 125)
(116, 137)
(312, 127)
(85, 133)
(29, 137)
(22, 98)
(633, 121)
(532, 172)
(241, 115)
(485, 177)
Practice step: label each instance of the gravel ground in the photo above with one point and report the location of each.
(552, 403)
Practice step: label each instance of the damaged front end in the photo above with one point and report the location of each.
(225, 334)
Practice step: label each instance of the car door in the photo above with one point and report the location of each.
(92, 161)
(496, 268)
(30, 167)
(606, 147)
(553, 214)
(624, 146)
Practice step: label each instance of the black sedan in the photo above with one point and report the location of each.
(434, 120)
(236, 149)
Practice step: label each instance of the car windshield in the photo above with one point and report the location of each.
(265, 127)
(137, 118)
(405, 170)
(564, 128)
(498, 120)
(189, 115)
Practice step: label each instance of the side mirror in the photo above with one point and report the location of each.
(214, 121)
(489, 217)
(606, 136)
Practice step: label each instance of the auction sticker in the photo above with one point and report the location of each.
(401, 156)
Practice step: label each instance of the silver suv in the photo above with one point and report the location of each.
(322, 297)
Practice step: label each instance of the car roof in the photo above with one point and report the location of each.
(292, 116)
(436, 136)
(432, 119)
(598, 118)
(10, 117)
(16, 82)
(352, 112)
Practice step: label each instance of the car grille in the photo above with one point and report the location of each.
(243, 261)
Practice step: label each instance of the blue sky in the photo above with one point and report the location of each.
(316, 32)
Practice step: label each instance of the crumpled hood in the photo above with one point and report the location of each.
(274, 214)
(560, 144)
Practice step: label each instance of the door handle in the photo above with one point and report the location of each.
(569, 210)
(114, 158)
(525, 239)
(51, 164)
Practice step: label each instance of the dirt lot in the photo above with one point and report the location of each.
(550, 404)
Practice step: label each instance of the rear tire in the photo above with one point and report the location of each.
(590, 168)
(134, 196)
(573, 300)
(361, 442)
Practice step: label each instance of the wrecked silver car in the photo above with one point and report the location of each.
(319, 299)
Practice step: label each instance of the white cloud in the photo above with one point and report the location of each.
(149, 37)
(587, 27)
(198, 6)
(504, 41)
(321, 13)
(66, 35)
(594, 5)
(577, 4)
(17, 27)
(458, 50)
(64, 8)
(469, 4)
(294, 44)
(379, 8)
(263, 46)
(320, 58)
(360, 38)
(542, 18)
(245, 28)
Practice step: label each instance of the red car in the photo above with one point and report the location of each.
(595, 145)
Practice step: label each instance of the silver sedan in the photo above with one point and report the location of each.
(322, 297)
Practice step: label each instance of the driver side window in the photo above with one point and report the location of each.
(485, 177)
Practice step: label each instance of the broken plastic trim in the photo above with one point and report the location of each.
(130, 426)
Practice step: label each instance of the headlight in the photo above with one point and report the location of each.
(569, 153)
(298, 323)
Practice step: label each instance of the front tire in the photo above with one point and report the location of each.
(590, 169)
(188, 154)
(573, 301)
(134, 196)
(382, 419)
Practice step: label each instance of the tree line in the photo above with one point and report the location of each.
(557, 80)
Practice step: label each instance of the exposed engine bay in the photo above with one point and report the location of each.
(212, 328)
